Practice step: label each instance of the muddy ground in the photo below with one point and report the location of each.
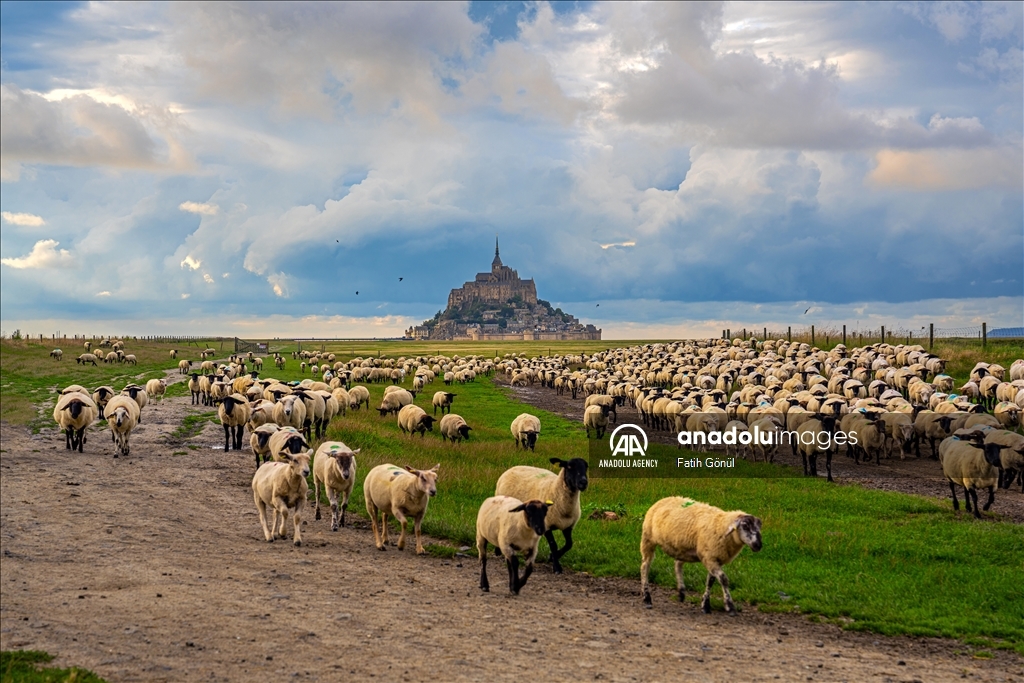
(153, 568)
(921, 476)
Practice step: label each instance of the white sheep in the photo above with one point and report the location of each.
(122, 417)
(101, 396)
(357, 396)
(57, 354)
(174, 354)
(412, 419)
(74, 412)
(534, 483)
(972, 465)
(290, 411)
(156, 388)
(85, 359)
(234, 411)
(395, 400)
(137, 394)
(525, 429)
(690, 531)
(334, 466)
(442, 400)
(403, 493)
(184, 366)
(282, 485)
(500, 523)
(454, 428)
(596, 417)
(259, 441)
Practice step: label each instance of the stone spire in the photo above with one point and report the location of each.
(496, 263)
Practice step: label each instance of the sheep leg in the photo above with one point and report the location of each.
(974, 496)
(401, 526)
(296, 524)
(952, 490)
(227, 438)
(513, 573)
(81, 439)
(991, 498)
(803, 456)
(730, 607)
(680, 583)
(262, 507)
(316, 497)
(419, 537)
(67, 438)
(280, 516)
(705, 601)
(550, 536)
(332, 496)
(828, 465)
(239, 432)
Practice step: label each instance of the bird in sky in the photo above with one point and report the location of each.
(400, 279)
(808, 308)
(338, 241)
(357, 292)
(599, 304)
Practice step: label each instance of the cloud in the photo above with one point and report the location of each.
(946, 170)
(103, 293)
(279, 283)
(23, 219)
(630, 243)
(185, 295)
(207, 278)
(202, 209)
(191, 262)
(43, 255)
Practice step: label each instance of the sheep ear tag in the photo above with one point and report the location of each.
(549, 502)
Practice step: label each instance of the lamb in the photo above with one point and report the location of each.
(963, 464)
(454, 428)
(525, 429)
(500, 523)
(442, 400)
(122, 417)
(534, 483)
(156, 388)
(403, 493)
(184, 366)
(57, 354)
(412, 419)
(394, 401)
(73, 413)
(357, 396)
(259, 441)
(290, 411)
(596, 418)
(234, 412)
(85, 359)
(334, 466)
(282, 485)
(101, 396)
(690, 531)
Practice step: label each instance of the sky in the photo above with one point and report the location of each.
(660, 170)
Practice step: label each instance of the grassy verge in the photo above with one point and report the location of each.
(26, 666)
(868, 560)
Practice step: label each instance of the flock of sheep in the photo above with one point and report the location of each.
(880, 392)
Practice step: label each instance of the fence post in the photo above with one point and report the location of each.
(883, 334)
(844, 335)
(744, 333)
(765, 338)
(984, 335)
(789, 334)
(812, 335)
(728, 333)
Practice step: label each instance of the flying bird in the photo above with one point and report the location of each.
(808, 308)
(357, 292)
(599, 304)
(400, 279)
(338, 241)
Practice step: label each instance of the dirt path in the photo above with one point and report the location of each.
(920, 476)
(153, 568)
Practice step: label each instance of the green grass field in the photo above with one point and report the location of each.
(868, 560)
(27, 666)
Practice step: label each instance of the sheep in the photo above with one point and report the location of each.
(155, 388)
(1008, 414)
(290, 411)
(57, 354)
(334, 466)
(111, 357)
(73, 389)
(690, 531)
(357, 396)
(315, 408)
(1011, 458)
(771, 426)
(282, 485)
(962, 464)
(340, 395)
(412, 419)
(899, 428)
(130, 359)
(442, 400)
(234, 411)
(454, 428)
(819, 440)
(602, 400)
(866, 434)
(394, 401)
(596, 418)
(184, 366)
(138, 394)
(174, 353)
(195, 388)
(500, 523)
(85, 359)
(122, 417)
(403, 493)
(286, 441)
(533, 483)
(207, 367)
(734, 427)
(698, 426)
(87, 345)
(931, 426)
(100, 397)
(73, 413)
(525, 429)
(259, 441)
